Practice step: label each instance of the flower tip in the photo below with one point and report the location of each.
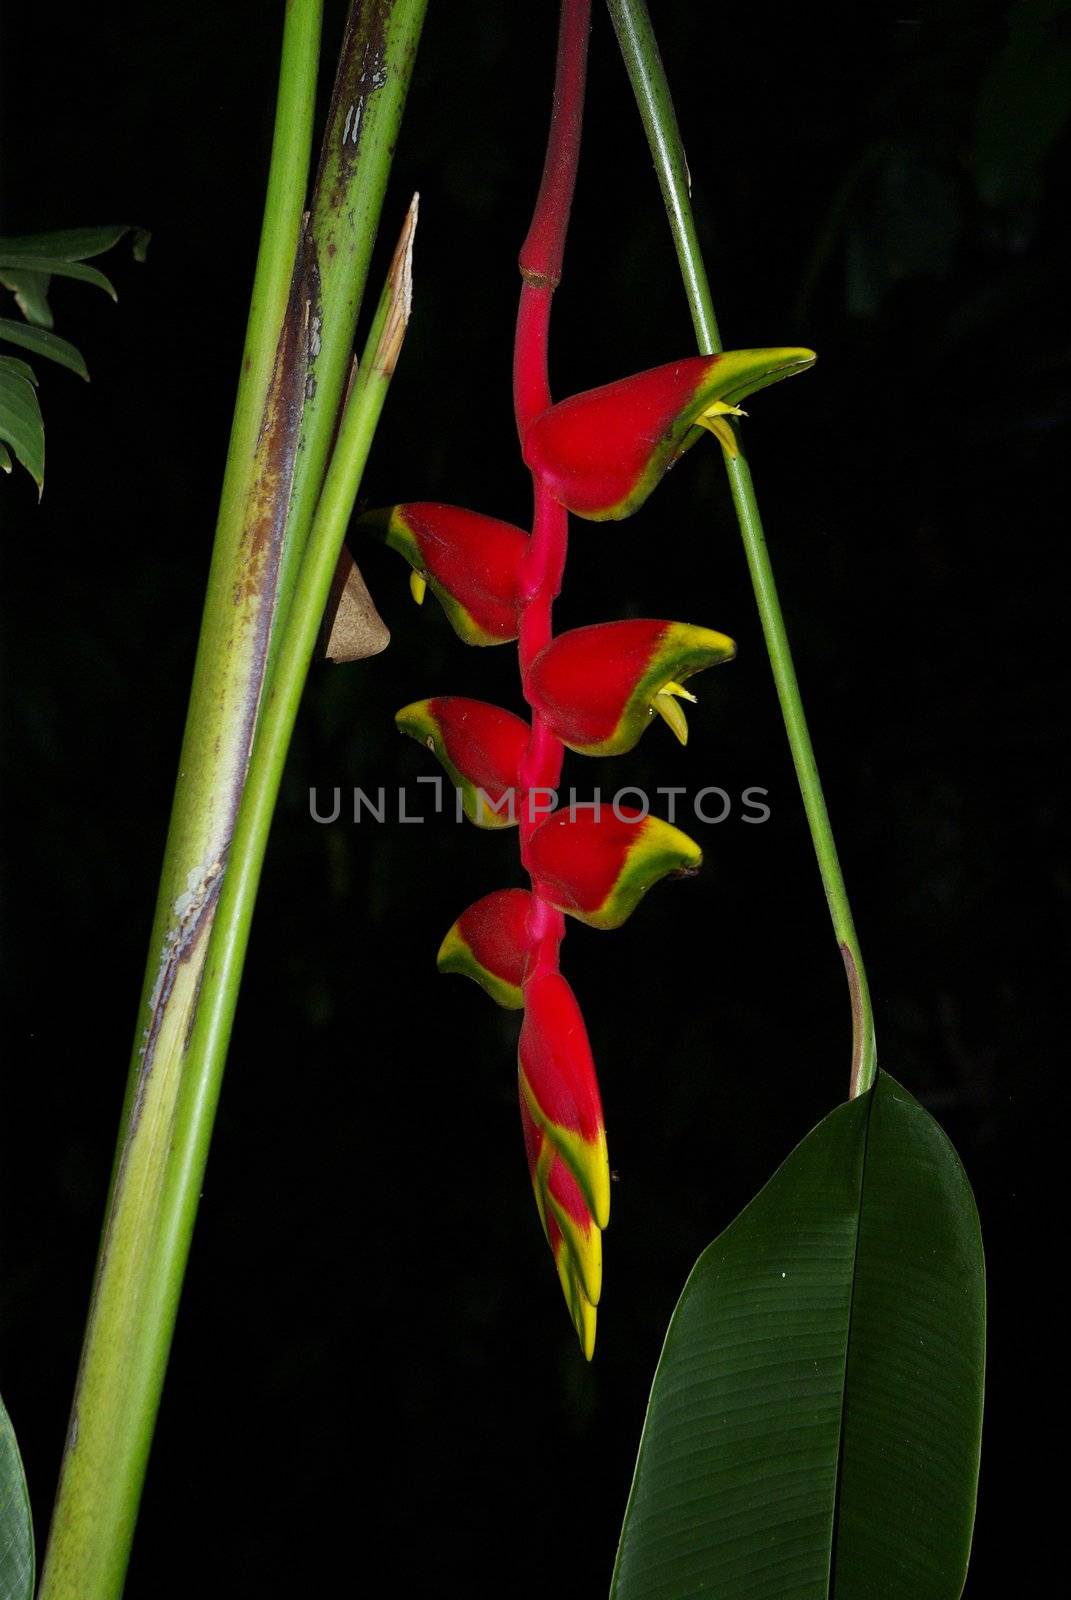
(691, 866)
(583, 1314)
(585, 1327)
(450, 953)
(418, 586)
(414, 720)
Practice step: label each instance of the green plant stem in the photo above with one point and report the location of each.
(136, 1306)
(367, 102)
(166, 1124)
(647, 74)
(231, 654)
(124, 1353)
(200, 820)
(223, 969)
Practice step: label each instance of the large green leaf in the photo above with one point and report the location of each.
(20, 419)
(52, 253)
(813, 1429)
(21, 369)
(43, 343)
(31, 294)
(75, 244)
(22, 261)
(16, 1526)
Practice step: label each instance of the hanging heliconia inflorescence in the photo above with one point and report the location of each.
(594, 690)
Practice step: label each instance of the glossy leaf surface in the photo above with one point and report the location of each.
(20, 419)
(813, 1430)
(75, 244)
(57, 267)
(31, 294)
(28, 261)
(16, 1525)
(43, 343)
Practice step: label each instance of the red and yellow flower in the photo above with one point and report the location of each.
(599, 687)
(561, 1113)
(596, 865)
(471, 564)
(490, 943)
(601, 453)
(593, 690)
(481, 748)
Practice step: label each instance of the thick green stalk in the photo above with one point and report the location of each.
(644, 63)
(367, 103)
(223, 970)
(167, 1117)
(125, 1352)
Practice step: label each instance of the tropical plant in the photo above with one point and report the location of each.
(813, 1427)
(28, 263)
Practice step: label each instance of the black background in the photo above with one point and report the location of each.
(372, 1358)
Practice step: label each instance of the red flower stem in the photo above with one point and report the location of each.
(541, 253)
(541, 266)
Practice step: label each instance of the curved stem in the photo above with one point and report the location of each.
(541, 254)
(864, 1054)
(640, 51)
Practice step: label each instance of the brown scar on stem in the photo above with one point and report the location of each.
(180, 945)
(361, 73)
(278, 435)
(540, 280)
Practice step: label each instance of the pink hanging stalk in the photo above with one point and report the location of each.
(594, 689)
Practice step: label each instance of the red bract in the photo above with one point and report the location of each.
(601, 453)
(561, 1115)
(559, 1087)
(573, 1235)
(481, 747)
(470, 562)
(599, 687)
(595, 690)
(490, 942)
(596, 865)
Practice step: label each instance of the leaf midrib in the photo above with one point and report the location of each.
(834, 1531)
